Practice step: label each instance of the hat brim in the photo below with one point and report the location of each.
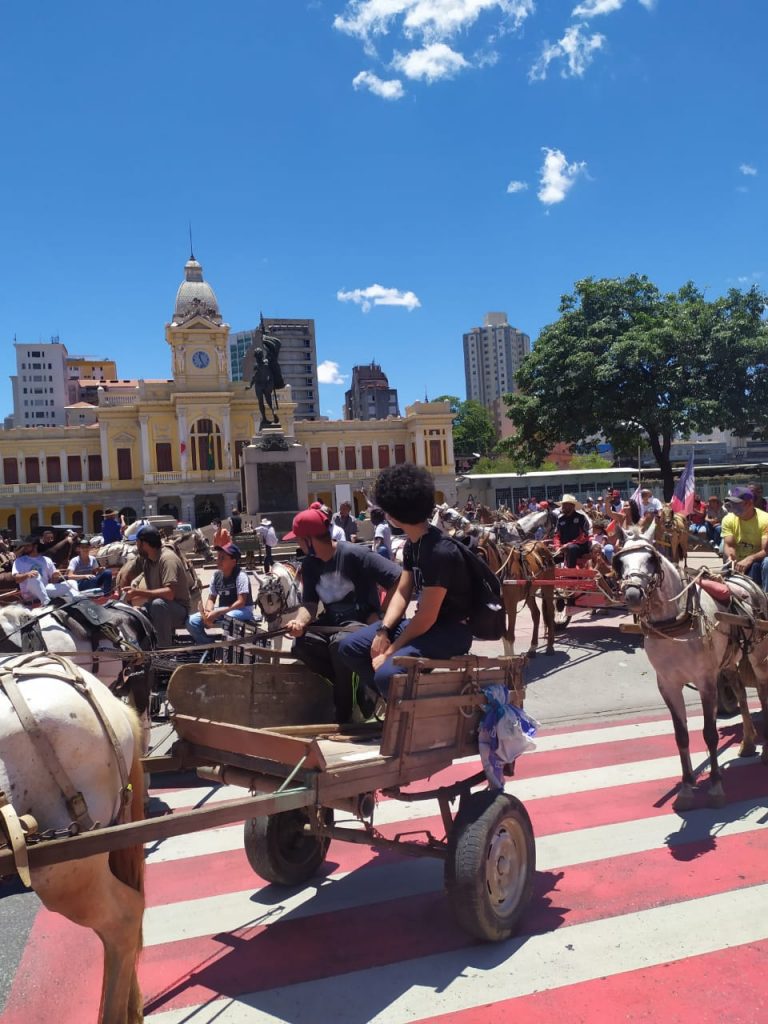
(289, 536)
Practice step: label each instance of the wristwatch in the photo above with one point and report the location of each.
(385, 630)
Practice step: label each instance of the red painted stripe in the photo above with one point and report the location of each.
(727, 985)
(190, 971)
(215, 874)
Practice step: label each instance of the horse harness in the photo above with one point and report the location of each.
(31, 666)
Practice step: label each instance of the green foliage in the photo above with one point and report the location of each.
(591, 460)
(473, 429)
(453, 401)
(630, 365)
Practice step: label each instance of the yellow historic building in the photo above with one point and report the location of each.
(151, 447)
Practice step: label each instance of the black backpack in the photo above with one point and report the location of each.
(487, 618)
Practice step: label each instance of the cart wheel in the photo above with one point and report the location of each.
(490, 865)
(280, 850)
(727, 697)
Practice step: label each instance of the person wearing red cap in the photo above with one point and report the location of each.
(346, 578)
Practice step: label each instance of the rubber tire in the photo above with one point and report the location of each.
(727, 699)
(279, 850)
(487, 820)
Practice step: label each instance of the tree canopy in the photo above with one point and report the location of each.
(631, 365)
(473, 429)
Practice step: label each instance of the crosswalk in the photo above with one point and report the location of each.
(638, 914)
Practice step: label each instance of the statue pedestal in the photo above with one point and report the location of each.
(274, 477)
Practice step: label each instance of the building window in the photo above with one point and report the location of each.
(53, 469)
(74, 468)
(94, 467)
(333, 459)
(367, 456)
(206, 446)
(350, 457)
(399, 454)
(10, 471)
(32, 470)
(435, 454)
(383, 456)
(316, 460)
(164, 457)
(124, 468)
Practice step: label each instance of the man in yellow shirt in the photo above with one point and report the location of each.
(745, 535)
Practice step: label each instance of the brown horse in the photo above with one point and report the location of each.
(672, 535)
(527, 561)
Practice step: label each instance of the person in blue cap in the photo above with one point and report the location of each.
(229, 595)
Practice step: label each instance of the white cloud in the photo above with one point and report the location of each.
(557, 176)
(748, 169)
(392, 89)
(378, 295)
(575, 48)
(589, 8)
(431, 63)
(432, 20)
(328, 373)
(516, 186)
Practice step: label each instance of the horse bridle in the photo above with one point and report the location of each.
(647, 582)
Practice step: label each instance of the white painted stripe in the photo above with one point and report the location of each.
(236, 911)
(447, 983)
(390, 811)
(207, 794)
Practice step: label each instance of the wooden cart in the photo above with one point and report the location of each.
(574, 590)
(297, 776)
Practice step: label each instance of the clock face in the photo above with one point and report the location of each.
(200, 359)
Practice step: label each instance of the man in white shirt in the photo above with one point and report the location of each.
(650, 507)
(39, 579)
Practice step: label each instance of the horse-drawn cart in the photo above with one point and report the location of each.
(237, 725)
(574, 590)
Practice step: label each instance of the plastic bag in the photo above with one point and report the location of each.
(506, 731)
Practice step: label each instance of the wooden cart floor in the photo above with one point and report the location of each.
(350, 752)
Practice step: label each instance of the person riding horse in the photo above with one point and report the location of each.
(267, 377)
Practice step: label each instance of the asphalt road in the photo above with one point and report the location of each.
(596, 674)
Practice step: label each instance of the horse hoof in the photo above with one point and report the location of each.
(716, 799)
(747, 750)
(683, 801)
(550, 650)
(531, 652)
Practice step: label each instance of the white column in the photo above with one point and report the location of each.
(146, 463)
(421, 451)
(86, 524)
(61, 514)
(64, 467)
(19, 525)
(449, 446)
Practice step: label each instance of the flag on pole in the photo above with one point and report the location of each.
(682, 499)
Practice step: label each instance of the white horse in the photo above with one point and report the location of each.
(104, 892)
(277, 591)
(685, 643)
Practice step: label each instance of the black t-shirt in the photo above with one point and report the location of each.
(348, 583)
(435, 561)
(573, 529)
(237, 523)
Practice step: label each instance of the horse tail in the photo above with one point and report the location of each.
(128, 865)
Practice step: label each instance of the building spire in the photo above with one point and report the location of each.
(191, 251)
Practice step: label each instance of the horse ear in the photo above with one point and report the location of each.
(649, 533)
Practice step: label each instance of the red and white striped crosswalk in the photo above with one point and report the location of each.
(638, 914)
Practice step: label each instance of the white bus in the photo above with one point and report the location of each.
(494, 489)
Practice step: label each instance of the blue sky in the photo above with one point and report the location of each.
(321, 148)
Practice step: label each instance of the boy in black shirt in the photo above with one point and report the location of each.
(433, 567)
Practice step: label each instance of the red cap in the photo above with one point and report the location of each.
(543, 504)
(615, 494)
(312, 522)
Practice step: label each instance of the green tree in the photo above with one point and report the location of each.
(473, 429)
(631, 365)
(590, 460)
(453, 401)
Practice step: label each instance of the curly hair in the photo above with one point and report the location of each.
(406, 492)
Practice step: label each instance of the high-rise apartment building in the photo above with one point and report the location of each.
(298, 360)
(47, 380)
(370, 397)
(492, 355)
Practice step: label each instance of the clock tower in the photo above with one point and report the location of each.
(197, 337)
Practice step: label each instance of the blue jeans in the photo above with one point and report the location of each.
(101, 581)
(713, 533)
(196, 629)
(443, 640)
(758, 572)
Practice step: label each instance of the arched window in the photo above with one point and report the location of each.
(77, 518)
(34, 521)
(12, 525)
(55, 519)
(206, 445)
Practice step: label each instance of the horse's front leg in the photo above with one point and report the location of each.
(509, 598)
(708, 691)
(548, 611)
(536, 617)
(672, 693)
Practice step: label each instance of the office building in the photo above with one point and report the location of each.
(298, 360)
(370, 397)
